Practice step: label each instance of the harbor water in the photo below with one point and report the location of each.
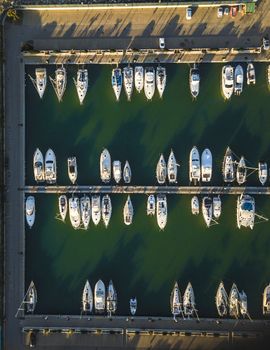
(141, 260)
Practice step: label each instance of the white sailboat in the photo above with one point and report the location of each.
(241, 171)
(100, 297)
(161, 211)
(40, 81)
(106, 206)
(228, 166)
(127, 173)
(149, 82)
(195, 205)
(234, 302)
(60, 82)
(128, 212)
(85, 206)
(31, 298)
(50, 167)
(266, 300)
(72, 169)
(161, 78)
(128, 81)
(151, 205)
(245, 211)
(133, 306)
(189, 301)
(81, 84)
(194, 81)
(207, 210)
(251, 75)
(243, 304)
(194, 165)
(111, 299)
(238, 80)
(139, 78)
(262, 172)
(176, 301)
(217, 207)
(172, 168)
(222, 300)
(227, 81)
(117, 171)
(161, 170)
(105, 166)
(117, 81)
(63, 206)
(87, 298)
(96, 211)
(206, 165)
(30, 210)
(74, 212)
(38, 166)
(268, 75)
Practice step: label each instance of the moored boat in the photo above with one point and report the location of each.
(161, 170)
(38, 166)
(60, 82)
(96, 211)
(128, 212)
(127, 173)
(81, 84)
(30, 210)
(268, 76)
(117, 81)
(117, 171)
(72, 169)
(149, 82)
(228, 166)
(133, 306)
(161, 78)
(266, 300)
(63, 206)
(262, 172)
(87, 298)
(238, 80)
(241, 171)
(40, 81)
(251, 75)
(128, 81)
(217, 206)
(227, 81)
(189, 301)
(50, 167)
(151, 205)
(105, 166)
(31, 298)
(243, 304)
(194, 81)
(85, 206)
(74, 212)
(234, 301)
(207, 210)
(206, 165)
(106, 206)
(221, 300)
(195, 206)
(161, 211)
(172, 168)
(176, 301)
(139, 75)
(194, 165)
(245, 211)
(111, 299)
(100, 297)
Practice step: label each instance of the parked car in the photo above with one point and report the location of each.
(188, 13)
(226, 11)
(162, 43)
(220, 12)
(234, 10)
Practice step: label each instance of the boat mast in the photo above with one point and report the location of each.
(53, 82)
(24, 301)
(33, 81)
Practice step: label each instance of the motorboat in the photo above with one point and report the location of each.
(151, 205)
(206, 165)
(85, 205)
(234, 302)
(263, 172)
(31, 298)
(149, 82)
(106, 206)
(38, 166)
(241, 171)
(161, 211)
(238, 80)
(161, 78)
(111, 299)
(128, 81)
(127, 173)
(245, 211)
(172, 168)
(176, 301)
(117, 81)
(96, 212)
(81, 84)
(72, 169)
(251, 75)
(105, 166)
(133, 306)
(266, 300)
(117, 171)
(74, 212)
(228, 166)
(161, 170)
(227, 84)
(138, 73)
(189, 301)
(128, 212)
(243, 304)
(217, 207)
(207, 210)
(100, 297)
(222, 300)
(50, 167)
(40, 81)
(30, 210)
(194, 81)
(63, 206)
(194, 165)
(195, 205)
(87, 298)
(60, 82)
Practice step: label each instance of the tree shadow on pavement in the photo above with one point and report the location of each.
(149, 28)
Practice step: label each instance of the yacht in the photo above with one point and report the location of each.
(222, 300)
(105, 166)
(161, 170)
(195, 206)
(50, 167)
(238, 80)
(85, 206)
(87, 298)
(206, 165)
(251, 75)
(227, 81)
(245, 211)
(151, 205)
(111, 299)
(172, 168)
(133, 306)
(38, 166)
(60, 82)
(217, 207)
(128, 81)
(161, 78)
(194, 81)
(100, 297)
(189, 301)
(228, 166)
(241, 171)
(127, 173)
(31, 298)
(207, 210)
(63, 206)
(128, 211)
(40, 81)
(149, 82)
(266, 300)
(243, 304)
(106, 206)
(263, 172)
(117, 172)
(96, 212)
(72, 169)
(234, 302)
(176, 302)
(74, 212)
(30, 210)
(194, 165)
(138, 72)
(117, 81)
(161, 211)
(81, 84)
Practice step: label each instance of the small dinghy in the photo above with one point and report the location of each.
(117, 172)
(30, 210)
(72, 169)
(263, 172)
(195, 205)
(251, 76)
(241, 171)
(127, 173)
(151, 205)
(161, 170)
(63, 206)
(133, 306)
(106, 206)
(217, 207)
(172, 169)
(85, 205)
(128, 212)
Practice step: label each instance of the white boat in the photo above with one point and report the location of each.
(263, 172)
(228, 166)
(100, 297)
(266, 300)
(106, 206)
(251, 75)
(245, 211)
(161, 78)
(30, 210)
(105, 166)
(241, 171)
(60, 82)
(63, 206)
(128, 81)
(207, 210)
(117, 81)
(74, 212)
(81, 84)
(50, 167)
(111, 299)
(72, 169)
(176, 301)
(117, 171)
(222, 300)
(40, 81)
(227, 79)
(217, 207)
(268, 75)
(151, 205)
(161, 211)
(194, 81)
(206, 165)
(243, 304)
(85, 206)
(96, 211)
(234, 302)
(133, 306)
(189, 301)
(31, 298)
(38, 166)
(138, 73)
(127, 173)
(149, 82)
(194, 165)
(87, 298)
(161, 170)
(128, 212)
(238, 80)
(172, 168)
(195, 205)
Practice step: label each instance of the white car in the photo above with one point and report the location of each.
(188, 13)
(220, 12)
(162, 43)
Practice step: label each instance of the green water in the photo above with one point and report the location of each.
(141, 260)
